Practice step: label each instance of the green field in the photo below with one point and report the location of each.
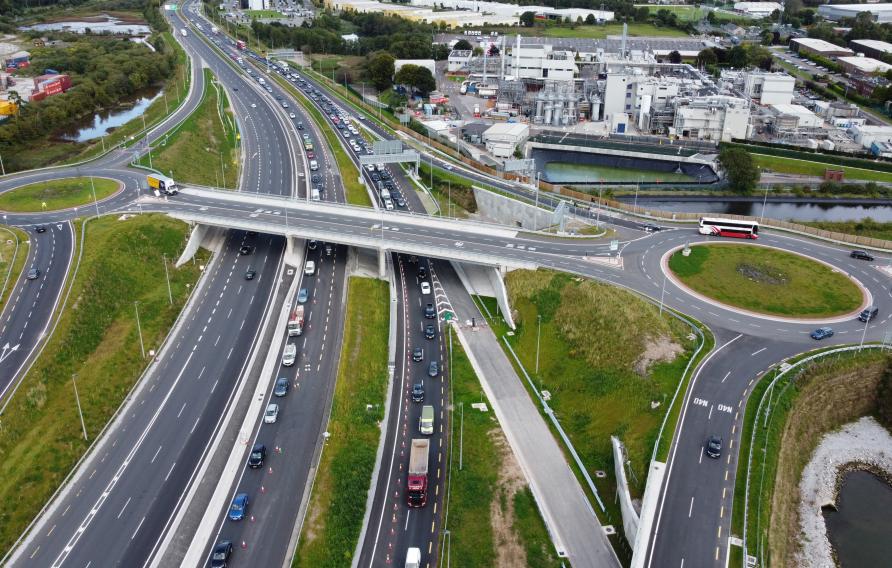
(203, 149)
(593, 32)
(490, 507)
(865, 227)
(766, 280)
(57, 194)
(14, 245)
(685, 13)
(807, 168)
(334, 518)
(263, 14)
(96, 338)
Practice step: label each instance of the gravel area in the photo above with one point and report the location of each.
(861, 442)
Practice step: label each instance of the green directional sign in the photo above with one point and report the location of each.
(448, 316)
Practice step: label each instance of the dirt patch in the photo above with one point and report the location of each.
(656, 351)
(763, 274)
(509, 551)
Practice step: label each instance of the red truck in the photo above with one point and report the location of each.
(418, 458)
(240, 44)
(296, 322)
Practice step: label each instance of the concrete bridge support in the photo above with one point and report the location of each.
(199, 232)
(629, 514)
(481, 280)
(496, 278)
(382, 264)
(294, 251)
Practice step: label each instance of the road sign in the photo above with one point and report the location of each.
(448, 316)
(387, 147)
(407, 156)
(170, 7)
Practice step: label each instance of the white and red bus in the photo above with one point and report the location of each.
(720, 227)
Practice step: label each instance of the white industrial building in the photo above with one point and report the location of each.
(871, 47)
(503, 139)
(863, 65)
(757, 9)
(458, 60)
(539, 61)
(716, 117)
(257, 4)
(804, 117)
(764, 87)
(866, 134)
(882, 13)
(819, 47)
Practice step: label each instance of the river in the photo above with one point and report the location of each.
(781, 211)
(861, 527)
(105, 121)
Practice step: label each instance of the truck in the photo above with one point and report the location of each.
(476, 111)
(417, 482)
(184, 32)
(296, 322)
(162, 184)
(240, 44)
(413, 557)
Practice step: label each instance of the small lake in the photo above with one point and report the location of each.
(781, 211)
(861, 528)
(565, 172)
(104, 122)
(107, 24)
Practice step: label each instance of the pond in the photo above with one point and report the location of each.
(105, 121)
(101, 24)
(565, 172)
(860, 528)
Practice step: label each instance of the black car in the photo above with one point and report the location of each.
(422, 272)
(433, 369)
(869, 313)
(312, 245)
(39, 229)
(860, 254)
(714, 447)
(300, 125)
(250, 273)
(417, 354)
(221, 553)
(282, 385)
(429, 311)
(430, 331)
(33, 274)
(257, 457)
(316, 178)
(246, 249)
(418, 392)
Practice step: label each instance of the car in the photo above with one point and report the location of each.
(221, 553)
(271, 414)
(425, 288)
(33, 274)
(418, 392)
(284, 104)
(449, 167)
(316, 178)
(868, 314)
(430, 332)
(388, 204)
(239, 507)
(433, 369)
(257, 456)
(245, 249)
(312, 245)
(300, 125)
(422, 272)
(39, 229)
(821, 333)
(400, 202)
(310, 268)
(430, 312)
(278, 97)
(250, 273)
(303, 296)
(714, 447)
(861, 255)
(417, 354)
(310, 155)
(306, 136)
(651, 228)
(253, 105)
(282, 385)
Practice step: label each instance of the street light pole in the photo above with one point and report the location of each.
(95, 201)
(864, 334)
(80, 412)
(167, 276)
(142, 346)
(598, 214)
(764, 201)
(538, 337)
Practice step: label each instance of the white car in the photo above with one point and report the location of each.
(425, 288)
(253, 105)
(292, 115)
(271, 414)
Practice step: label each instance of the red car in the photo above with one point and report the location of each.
(310, 155)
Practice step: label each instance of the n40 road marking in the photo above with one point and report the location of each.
(705, 404)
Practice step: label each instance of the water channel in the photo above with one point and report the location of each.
(861, 527)
(105, 121)
(781, 211)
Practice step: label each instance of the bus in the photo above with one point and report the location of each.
(721, 227)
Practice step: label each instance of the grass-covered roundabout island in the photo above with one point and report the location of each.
(57, 194)
(766, 280)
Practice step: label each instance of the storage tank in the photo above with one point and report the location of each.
(827, 145)
(546, 116)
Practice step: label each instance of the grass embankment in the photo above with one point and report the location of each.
(203, 149)
(685, 13)
(268, 14)
(14, 246)
(866, 227)
(806, 168)
(605, 357)
(334, 518)
(492, 513)
(449, 188)
(57, 194)
(803, 409)
(354, 190)
(591, 32)
(96, 338)
(766, 280)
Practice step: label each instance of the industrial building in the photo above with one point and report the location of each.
(762, 86)
(540, 62)
(867, 134)
(819, 47)
(458, 60)
(882, 13)
(863, 65)
(757, 9)
(502, 140)
(716, 118)
(872, 47)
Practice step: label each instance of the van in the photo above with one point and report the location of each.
(289, 355)
(869, 313)
(314, 194)
(385, 194)
(310, 268)
(314, 165)
(426, 422)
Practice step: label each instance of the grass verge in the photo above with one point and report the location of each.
(337, 505)
(491, 512)
(766, 280)
(806, 168)
(96, 338)
(57, 194)
(203, 149)
(866, 227)
(449, 188)
(14, 246)
(592, 32)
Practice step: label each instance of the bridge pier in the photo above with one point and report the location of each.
(294, 251)
(382, 263)
(496, 278)
(197, 236)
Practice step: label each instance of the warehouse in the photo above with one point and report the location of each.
(502, 139)
(804, 117)
(863, 65)
(757, 9)
(872, 47)
(458, 60)
(882, 13)
(819, 47)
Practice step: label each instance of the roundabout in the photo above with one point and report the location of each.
(767, 282)
(59, 194)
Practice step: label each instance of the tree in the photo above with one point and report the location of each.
(767, 37)
(642, 13)
(463, 45)
(674, 57)
(379, 69)
(590, 20)
(737, 57)
(710, 17)
(740, 170)
(527, 19)
(706, 58)
(417, 77)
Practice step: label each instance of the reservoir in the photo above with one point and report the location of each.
(861, 527)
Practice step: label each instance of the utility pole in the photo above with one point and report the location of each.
(663, 293)
(79, 410)
(95, 201)
(142, 346)
(764, 201)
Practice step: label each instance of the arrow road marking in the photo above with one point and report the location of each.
(7, 351)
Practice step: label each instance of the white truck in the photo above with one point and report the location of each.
(163, 185)
(296, 322)
(184, 32)
(413, 558)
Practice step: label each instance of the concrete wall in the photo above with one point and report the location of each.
(501, 209)
(630, 515)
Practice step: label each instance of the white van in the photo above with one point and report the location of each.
(388, 204)
(314, 165)
(289, 355)
(426, 422)
(314, 194)
(385, 194)
(310, 268)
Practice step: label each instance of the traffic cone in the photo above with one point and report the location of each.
(252, 518)
(263, 489)
(244, 545)
(270, 469)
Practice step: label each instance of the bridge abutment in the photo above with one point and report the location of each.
(199, 232)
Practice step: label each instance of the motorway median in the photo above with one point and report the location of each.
(120, 268)
(337, 504)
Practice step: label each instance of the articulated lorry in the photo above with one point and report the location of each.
(162, 184)
(296, 322)
(417, 485)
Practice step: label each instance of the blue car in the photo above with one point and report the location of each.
(303, 296)
(821, 333)
(239, 507)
